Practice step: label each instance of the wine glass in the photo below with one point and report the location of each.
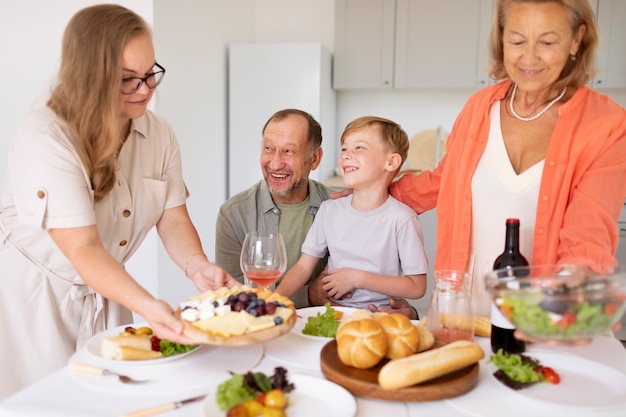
(263, 258)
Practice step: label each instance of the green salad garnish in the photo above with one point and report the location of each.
(243, 387)
(520, 368)
(170, 348)
(322, 324)
(575, 321)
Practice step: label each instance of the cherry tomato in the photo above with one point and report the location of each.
(273, 412)
(609, 309)
(276, 399)
(156, 343)
(253, 407)
(506, 311)
(550, 375)
(261, 398)
(567, 320)
(237, 411)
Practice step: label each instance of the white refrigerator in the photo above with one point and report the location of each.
(264, 78)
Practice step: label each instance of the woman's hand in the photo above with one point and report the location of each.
(208, 276)
(164, 324)
(341, 193)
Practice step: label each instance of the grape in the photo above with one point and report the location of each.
(270, 308)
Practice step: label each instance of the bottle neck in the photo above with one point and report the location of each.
(511, 242)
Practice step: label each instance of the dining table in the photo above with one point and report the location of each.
(593, 383)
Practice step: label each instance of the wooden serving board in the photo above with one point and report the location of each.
(364, 382)
(246, 339)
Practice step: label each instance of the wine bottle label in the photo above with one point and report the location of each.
(498, 319)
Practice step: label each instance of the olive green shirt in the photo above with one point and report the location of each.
(255, 210)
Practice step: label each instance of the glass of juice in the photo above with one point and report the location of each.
(263, 258)
(449, 314)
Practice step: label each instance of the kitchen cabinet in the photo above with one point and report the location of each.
(264, 78)
(411, 43)
(611, 59)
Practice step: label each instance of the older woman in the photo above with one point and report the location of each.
(89, 175)
(539, 145)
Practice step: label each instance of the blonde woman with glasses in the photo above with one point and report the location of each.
(88, 176)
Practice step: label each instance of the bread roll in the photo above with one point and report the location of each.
(426, 338)
(361, 343)
(482, 326)
(421, 367)
(128, 348)
(402, 335)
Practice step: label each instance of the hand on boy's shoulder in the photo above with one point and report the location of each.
(340, 193)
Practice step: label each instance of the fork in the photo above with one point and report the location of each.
(90, 369)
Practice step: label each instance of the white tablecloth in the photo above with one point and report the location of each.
(65, 394)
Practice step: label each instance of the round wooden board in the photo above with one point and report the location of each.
(364, 382)
(246, 339)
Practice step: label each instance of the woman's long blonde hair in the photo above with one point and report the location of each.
(86, 95)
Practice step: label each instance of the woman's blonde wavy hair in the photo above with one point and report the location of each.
(577, 72)
(87, 90)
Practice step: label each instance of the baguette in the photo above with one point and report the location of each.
(128, 348)
(421, 367)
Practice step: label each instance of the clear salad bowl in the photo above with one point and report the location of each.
(560, 303)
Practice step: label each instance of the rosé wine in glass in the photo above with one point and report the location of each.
(263, 258)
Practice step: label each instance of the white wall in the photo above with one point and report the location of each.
(191, 38)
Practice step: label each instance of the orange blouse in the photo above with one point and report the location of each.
(582, 191)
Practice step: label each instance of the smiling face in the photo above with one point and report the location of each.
(366, 160)
(137, 61)
(287, 159)
(538, 42)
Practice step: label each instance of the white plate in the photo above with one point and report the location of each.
(313, 397)
(94, 346)
(193, 373)
(584, 383)
(305, 313)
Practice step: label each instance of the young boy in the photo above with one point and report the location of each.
(374, 242)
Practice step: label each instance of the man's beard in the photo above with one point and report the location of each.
(289, 191)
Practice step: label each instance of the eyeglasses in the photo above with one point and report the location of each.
(131, 84)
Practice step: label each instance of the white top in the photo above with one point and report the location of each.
(387, 241)
(43, 300)
(498, 193)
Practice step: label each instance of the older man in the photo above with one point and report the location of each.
(286, 200)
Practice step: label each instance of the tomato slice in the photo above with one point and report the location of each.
(550, 375)
(610, 309)
(567, 320)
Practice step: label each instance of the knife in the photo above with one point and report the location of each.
(150, 411)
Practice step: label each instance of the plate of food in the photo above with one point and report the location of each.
(570, 380)
(237, 316)
(136, 344)
(320, 323)
(294, 395)
(389, 358)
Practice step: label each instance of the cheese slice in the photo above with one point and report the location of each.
(258, 323)
(231, 324)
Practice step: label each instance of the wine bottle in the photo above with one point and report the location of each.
(502, 329)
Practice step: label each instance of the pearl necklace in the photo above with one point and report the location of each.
(536, 116)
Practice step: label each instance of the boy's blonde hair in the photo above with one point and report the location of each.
(391, 133)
